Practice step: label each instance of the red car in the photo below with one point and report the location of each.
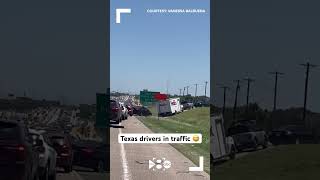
(19, 158)
(62, 144)
(130, 110)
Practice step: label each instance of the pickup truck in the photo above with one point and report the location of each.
(248, 136)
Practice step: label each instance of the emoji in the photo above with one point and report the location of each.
(195, 138)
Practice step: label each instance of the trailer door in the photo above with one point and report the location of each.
(218, 144)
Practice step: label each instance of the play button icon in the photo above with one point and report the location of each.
(151, 164)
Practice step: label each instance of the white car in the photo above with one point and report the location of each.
(124, 111)
(47, 155)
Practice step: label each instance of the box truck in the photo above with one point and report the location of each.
(221, 146)
(169, 107)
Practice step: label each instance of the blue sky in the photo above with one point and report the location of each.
(149, 51)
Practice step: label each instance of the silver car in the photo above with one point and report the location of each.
(47, 155)
(248, 137)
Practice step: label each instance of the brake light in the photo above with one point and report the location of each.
(21, 155)
(19, 150)
(115, 109)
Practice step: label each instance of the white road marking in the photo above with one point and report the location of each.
(200, 168)
(126, 173)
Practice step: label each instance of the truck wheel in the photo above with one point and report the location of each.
(265, 143)
(232, 154)
(68, 169)
(256, 145)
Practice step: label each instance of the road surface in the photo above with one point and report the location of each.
(81, 174)
(130, 161)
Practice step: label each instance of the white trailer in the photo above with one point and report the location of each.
(221, 146)
(169, 106)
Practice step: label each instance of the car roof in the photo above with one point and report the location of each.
(18, 123)
(37, 131)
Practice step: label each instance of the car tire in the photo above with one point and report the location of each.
(53, 176)
(36, 177)
(232, 154)
(265, 143)
(45, 175)
(256, 144)
(100, 166)
(68, 169)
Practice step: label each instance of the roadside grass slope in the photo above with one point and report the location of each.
(193, 121)
(287, 162)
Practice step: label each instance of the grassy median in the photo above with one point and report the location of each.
(288, 162)
(193, 121)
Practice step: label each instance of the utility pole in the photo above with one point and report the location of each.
(276, 73)
(225, 88)
(249, 80)
(236, 98)
(168, 87)
(205, 89)
(307, 66)
(195, 93)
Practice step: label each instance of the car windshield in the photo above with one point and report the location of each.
(8, 130)
(58, 140)
(113, 104)
(35, 137)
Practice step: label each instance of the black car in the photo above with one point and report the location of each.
(198, 104)
(116, 111)
(141, 111)
(19, 158)
(91, 154)
(187, 105)
(290, 134)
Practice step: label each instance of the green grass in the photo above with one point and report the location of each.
(153, 110)
(290, 162)
(192, 121)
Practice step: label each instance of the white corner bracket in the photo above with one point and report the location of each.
(118, 14)
(200, 168)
